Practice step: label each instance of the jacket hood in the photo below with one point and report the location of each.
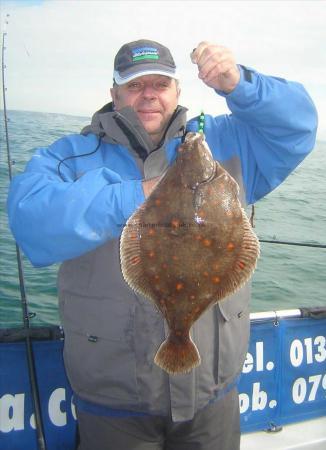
(124, 127)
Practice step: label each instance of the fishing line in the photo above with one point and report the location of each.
(300, 244)
(201, 126)
(63, 161)
(276, 241)
(24, 305)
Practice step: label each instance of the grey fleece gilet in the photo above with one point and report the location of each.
(112, 334)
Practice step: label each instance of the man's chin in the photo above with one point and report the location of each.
(154, 133)
(152, 128)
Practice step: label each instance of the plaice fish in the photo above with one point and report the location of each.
(188, 246)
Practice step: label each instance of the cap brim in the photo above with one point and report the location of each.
(131, 76)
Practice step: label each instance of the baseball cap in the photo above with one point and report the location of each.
(143, 57)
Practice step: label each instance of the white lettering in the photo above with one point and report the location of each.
(244, 402)
(12, 412)
(296, 353)
(259, 398)
(259, 356)
(248, 364)
(73, 409)
(32, 421)
(299, 390)
(321, 342)
(315, 380)
(270, 365)
(57, 416)
(308, 344)
(306, 351)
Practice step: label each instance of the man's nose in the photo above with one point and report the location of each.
(149, 91)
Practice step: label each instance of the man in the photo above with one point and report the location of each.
(70, 206)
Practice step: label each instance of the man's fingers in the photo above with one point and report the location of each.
(192, 56)
(218, 71)
(216, 66)
(197, 52)
(216, 59)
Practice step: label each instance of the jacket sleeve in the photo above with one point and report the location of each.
(273, 127)
(54, 220)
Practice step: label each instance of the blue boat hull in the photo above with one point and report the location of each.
(283, 381)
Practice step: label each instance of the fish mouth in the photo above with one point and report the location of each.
(193, 136)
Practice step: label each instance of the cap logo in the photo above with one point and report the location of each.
(144, 53)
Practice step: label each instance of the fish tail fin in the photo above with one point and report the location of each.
(177, 355)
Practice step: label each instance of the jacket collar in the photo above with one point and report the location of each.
(123, 127)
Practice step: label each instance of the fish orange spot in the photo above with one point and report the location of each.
(198, 237)
(135, 260)
(241, 265)
(151, 254)
(179, 286)
(205, 274)
(156, 277)
(175, 258)
(207, 242)
(230, 246)
(192, 297)
(216, 279)
(133, 236)
(175, 223)
(197, 309)
(216, 266)
(151, 231)
(158, 201)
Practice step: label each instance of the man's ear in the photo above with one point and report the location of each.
(178, 88)
(112, 92)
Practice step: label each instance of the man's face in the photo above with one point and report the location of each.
(154, 99)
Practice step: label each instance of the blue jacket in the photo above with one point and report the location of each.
(271, 128)
(70, 205)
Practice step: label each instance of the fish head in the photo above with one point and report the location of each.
(195, 160)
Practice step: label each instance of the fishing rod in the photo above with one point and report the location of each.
(300, 244)
(24, 305)
(276, 241)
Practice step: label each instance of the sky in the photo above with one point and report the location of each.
(59, 53)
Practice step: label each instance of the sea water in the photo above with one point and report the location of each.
(286, 277)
